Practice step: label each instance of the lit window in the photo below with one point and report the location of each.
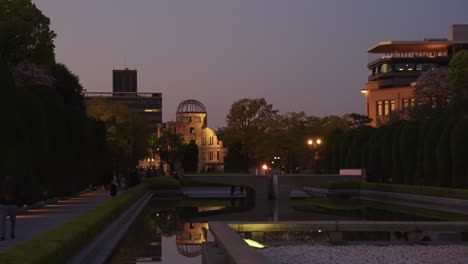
(386, 108)
(379, 108)
(392, 105)
(192, 130)
(217, 155)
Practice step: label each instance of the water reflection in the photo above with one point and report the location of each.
(173, 231)
(190, 239)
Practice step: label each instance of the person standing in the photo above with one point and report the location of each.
(9, 196)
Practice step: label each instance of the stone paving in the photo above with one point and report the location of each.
(35, 221)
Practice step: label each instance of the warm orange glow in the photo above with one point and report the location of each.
(319, 141)
(265, 167)
(310, 142)
(364, 91)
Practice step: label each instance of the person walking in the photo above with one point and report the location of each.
(9, 197)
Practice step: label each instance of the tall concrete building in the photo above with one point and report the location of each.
(124, 81)
(124, 91)
(400, 63)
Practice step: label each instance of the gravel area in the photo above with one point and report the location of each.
(320, 254)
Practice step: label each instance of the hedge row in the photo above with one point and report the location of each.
(400, 188)
(61, 242)
(429, 153)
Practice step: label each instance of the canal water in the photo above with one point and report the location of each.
(173, 231)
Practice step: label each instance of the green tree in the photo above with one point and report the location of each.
(171, 148)
(25, 34)
(127, 134)
(357, 121)
(190, 161)
(247, 123)
(459, 152)
(458, 79)
(68, 85)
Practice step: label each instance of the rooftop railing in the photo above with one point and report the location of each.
(121, 94)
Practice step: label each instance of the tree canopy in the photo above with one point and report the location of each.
(256, 132)
(25, 34)
(458, 79)
(127, 133)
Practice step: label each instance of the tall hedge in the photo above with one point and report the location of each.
(430, 152)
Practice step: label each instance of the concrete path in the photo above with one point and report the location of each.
(35, 221)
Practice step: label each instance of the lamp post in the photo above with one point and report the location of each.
(314, 145)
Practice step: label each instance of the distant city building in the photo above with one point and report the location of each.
(148, 105)
(389, 86)
(125, 92)
(192, 124)
(124, 81)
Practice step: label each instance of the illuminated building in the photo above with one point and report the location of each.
(400, 63)
(192, 124)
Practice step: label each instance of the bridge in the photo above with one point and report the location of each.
(278, 187)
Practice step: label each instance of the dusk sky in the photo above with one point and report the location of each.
(301, 55)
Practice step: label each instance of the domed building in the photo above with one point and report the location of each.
(191, 123)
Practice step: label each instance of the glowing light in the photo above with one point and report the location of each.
(310, 142)
(364, 91)
(151, 110)
(319, 141)
(265, 167)
(254, 243)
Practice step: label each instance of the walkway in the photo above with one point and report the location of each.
(35, 221)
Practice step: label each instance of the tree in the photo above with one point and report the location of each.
(68, 85)
(127, 134)
(247, 123)
(190, 161)
(171, 146)
(458, 79)
(25, 34)
(432, 94)
(356, 120)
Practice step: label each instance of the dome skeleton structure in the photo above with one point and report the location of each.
(191, 106)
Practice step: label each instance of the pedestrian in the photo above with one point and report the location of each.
(9, 197)
(113, 188)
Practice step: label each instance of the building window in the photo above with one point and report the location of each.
(412, 103)
(217, 155)
(379, 108)
(405, 103)
(203, 140)
(392, 105)
(192, 130)
(197, 119)
(386, 108)
(211, 140)
(211, 155)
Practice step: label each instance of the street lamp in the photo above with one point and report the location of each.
(314, 144)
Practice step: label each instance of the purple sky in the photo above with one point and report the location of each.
(301, 55)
